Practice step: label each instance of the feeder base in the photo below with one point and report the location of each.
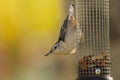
(96, 78)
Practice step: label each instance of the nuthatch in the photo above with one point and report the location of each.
(67, 39)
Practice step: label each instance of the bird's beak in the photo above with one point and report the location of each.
(47, 54)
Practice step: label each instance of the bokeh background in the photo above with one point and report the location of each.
(28, 28)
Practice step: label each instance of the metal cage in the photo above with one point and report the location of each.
(94, 44)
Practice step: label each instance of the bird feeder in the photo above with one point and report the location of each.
(94, 46)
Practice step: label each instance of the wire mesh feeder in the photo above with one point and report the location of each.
(94, 65)
(94, 53)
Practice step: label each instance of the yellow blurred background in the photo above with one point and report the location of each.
(24, 26)
(21, 17)
(28, 28)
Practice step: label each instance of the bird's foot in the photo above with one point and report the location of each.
(73, 21)
(73, 51)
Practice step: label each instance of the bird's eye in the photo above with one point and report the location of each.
(55, 47)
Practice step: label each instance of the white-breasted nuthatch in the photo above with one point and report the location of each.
(67, 39)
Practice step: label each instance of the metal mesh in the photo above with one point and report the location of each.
(93, 47)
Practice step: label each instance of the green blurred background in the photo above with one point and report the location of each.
(28, 28)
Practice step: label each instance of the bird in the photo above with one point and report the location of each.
(66, 43)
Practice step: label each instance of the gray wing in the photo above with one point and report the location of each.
(63, 30)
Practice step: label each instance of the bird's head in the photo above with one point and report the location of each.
(54, 49)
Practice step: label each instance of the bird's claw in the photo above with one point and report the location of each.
(73, 21)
